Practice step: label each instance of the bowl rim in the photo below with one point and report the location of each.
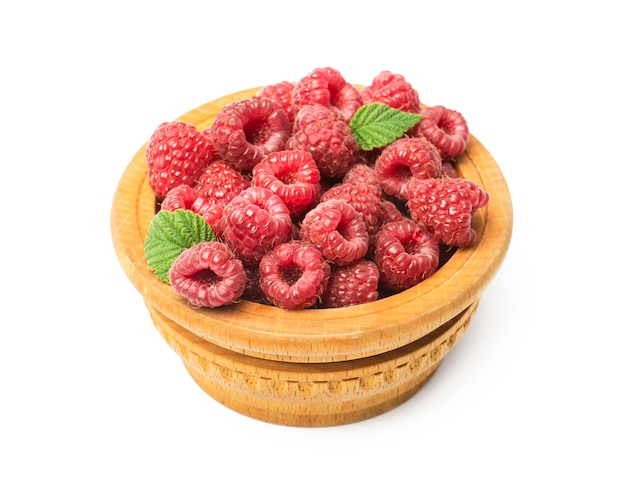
(320, 335)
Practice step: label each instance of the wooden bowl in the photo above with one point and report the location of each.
(325, 366)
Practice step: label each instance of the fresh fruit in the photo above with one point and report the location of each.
(352, 284)
(394, 90)
(445, 206)
(292, 175)
(244, 131)
(280, 92)
(254, 222)
(445, 128)
(208, 275)
(337, 229)
(362, 184)
(327, 87)
(403, 160)
(220, 182)
(176, 154)
(294, 275)
(406, 254)
(329, 139)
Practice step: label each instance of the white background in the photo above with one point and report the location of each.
(89, 388)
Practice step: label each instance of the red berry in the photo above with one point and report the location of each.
(294, 275)
(327, 87)
(186, 197)
(390, 212)
(446, 206)
(337, 229)
(393, 90)
(364, 198)
(254, 222)
(176, 154)
(326, 137)
(352, 284)
(445, 128)
(406, 254)
(292, 175)
(220, 182)
(405, 159)
(208, 275)
(362, 173)
(281, 93)
(246, 130)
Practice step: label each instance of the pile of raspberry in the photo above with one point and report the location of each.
(304, 218)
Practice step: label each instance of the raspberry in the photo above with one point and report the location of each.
(326, 137)
(220, 182)
(445, 128)
(446, 206)
(393, 90)
(406, 254)
(390, 212)
(362, 173)
(176, 154)
(254, 222)
(246, 130)
(208, 275)
(352, 284)
(364, 198)
(186, 197)
(404, 159)
(337, 229)
(327, 87)
(293, 175)
(281, 93)
(294, 275)
(448, 169)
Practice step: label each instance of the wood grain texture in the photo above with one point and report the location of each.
(269, 340)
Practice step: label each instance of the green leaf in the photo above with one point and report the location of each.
(170, 233)
(375, 125)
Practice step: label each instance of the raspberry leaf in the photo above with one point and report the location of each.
(375, 125)
(170, 233)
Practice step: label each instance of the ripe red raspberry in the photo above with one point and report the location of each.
(293, 175)
(390, 212)
(220, 182)
(337, 229)
(393, 90)
(362, 173)
(254, 222)
(208, 275)
(405, 159)
(176, 153)
(445, 128)
(186, 197)
(448, 169)
(326, 137)
(327, 87)
(294, 275)
(445, 206)
(246, 130)
(281, 93)
(352, 284)
(406, 254)
(364, 198)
